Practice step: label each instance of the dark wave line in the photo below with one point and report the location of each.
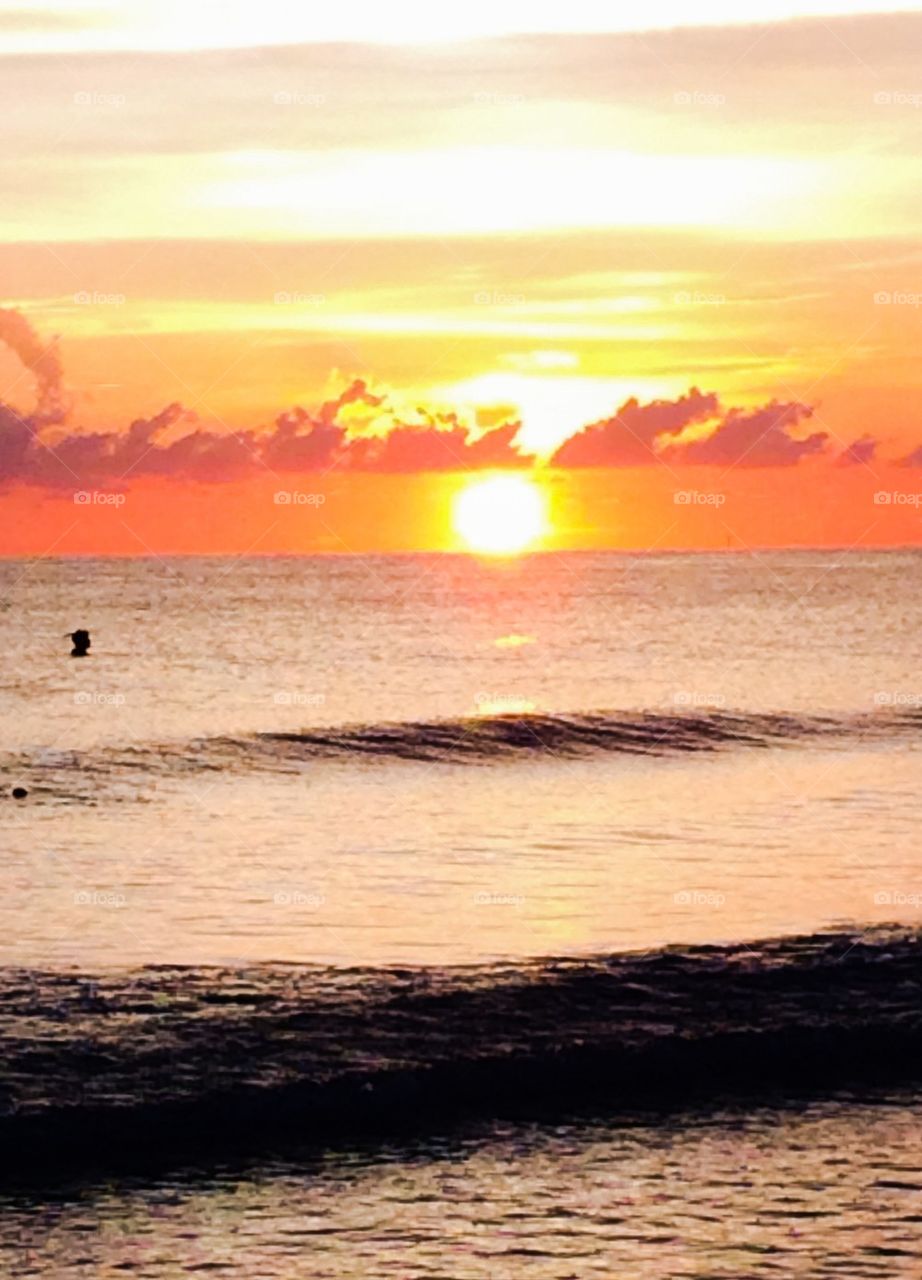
(496, 736)
(119, 772)
(166, 1064)
(488, 738)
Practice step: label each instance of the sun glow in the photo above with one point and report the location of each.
(501, 516)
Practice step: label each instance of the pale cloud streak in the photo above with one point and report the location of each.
(75, 25)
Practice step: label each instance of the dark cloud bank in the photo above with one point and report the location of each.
(38, 449)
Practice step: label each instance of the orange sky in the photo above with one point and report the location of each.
(531, 222)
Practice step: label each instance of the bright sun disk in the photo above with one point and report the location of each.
(502, 515)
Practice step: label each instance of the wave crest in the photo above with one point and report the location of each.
(569, 734)
(167, 1063)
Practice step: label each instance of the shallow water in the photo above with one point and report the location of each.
(827, 1189)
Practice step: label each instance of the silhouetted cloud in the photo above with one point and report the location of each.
(913, 459)
(441, 444)
(42, 360)
(641, 434)
(627, 439)
(752, 438)
(359, 430)
(859, 452)
(298, 441)
(33, 452)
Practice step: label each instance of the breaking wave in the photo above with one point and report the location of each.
(167, 1064)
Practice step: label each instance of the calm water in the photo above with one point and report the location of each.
(160, 827)
(829, 1190)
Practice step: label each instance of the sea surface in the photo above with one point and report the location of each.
(389, 807)
(442, 759)
(825, 1189)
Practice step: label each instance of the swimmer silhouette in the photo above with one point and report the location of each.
(81, 642)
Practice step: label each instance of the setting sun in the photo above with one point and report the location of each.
(500, 516)
(460, 472)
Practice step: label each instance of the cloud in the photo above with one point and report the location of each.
(33, 452)
(360, 430)
(298, 441)
(859, 453)
(641, 434)
(627, 439)
(913, 459)
(307, 441)
(42, 360)
(440, 443)
(760, 437)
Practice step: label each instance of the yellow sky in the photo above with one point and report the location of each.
(218, 206)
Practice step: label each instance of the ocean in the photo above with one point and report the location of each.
(600, 869)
